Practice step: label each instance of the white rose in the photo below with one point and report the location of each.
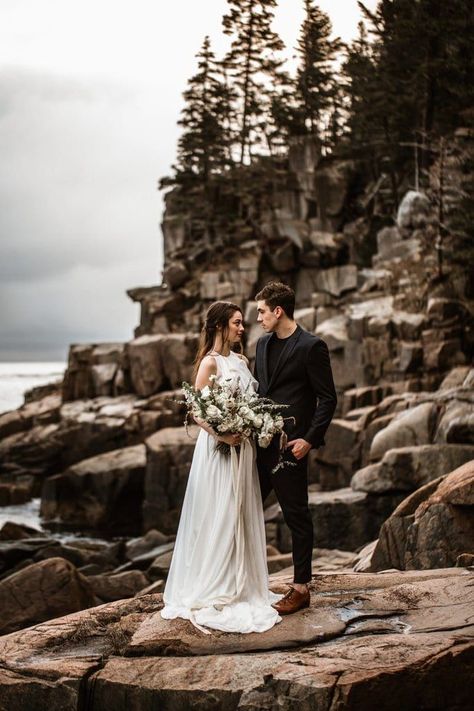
(212, 411)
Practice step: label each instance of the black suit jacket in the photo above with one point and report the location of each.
(303, 380)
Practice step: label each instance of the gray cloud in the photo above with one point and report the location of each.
(88, 112)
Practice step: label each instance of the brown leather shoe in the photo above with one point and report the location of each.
(292, 602)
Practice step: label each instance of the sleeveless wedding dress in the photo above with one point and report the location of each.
(218, 576)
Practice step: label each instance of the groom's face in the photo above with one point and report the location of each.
(267, 318)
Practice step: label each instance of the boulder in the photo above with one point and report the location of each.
(43, 411)
(169, 456)
(332, 182)
(374, 280)
(160, 361)
(282, 257)
(42, 591)
(306, 318)
(118, 586)
(391, 246)
(334, 332)
(323, 313)
(409, 428)
(361, 397)
(337, 280)
(279, 562)
(432, 527)
(103, 491)
(410, 357)
(92, 370)
(361, 312)
(343, 519)
(456, 425)
(83, 553)
(147, 558)
(144, 544)
(408, 326)
(364, 558)
(157, 587)
(286, 226)
(306, 281)
(12, 531)
(413, 210)
(175, 274)
(16, 491)
(160, 566)
(407, 468)
(455, 378)
(341, 451)
(442, 355)
(103, 377)
(440, 310)
(14, 553)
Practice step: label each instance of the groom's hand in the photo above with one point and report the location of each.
(299, 447)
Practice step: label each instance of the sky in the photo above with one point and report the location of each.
(90, 93)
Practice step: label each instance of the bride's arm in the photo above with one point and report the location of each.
(207, 368)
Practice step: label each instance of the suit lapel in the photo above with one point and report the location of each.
(284, 355)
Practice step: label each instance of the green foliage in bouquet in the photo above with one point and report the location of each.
(229, 409)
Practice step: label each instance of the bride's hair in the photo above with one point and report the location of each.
(218, 316)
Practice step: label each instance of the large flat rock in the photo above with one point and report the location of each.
(389, 640)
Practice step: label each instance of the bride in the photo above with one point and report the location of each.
(218, 576)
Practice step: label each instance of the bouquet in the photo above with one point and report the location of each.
(229, 409)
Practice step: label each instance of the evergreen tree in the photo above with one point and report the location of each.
(203, 147)
(315, 88)
(252, 64)
(413, 81)
(358, 72)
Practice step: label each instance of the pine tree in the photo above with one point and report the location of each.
(251, 62)
(203, 148)
(358, 70)
(415, 79)
(315, 87)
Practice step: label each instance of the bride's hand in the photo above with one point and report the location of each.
(231, 439)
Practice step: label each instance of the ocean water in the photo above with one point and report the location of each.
(29, 515)
(15, 378)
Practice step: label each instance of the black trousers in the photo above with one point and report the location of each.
(290, 484)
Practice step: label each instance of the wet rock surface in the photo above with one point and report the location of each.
(387, 638)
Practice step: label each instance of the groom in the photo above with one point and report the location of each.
(292, 367)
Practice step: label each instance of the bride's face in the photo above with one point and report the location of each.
(236, 327)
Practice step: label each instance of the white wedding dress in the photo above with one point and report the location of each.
(218, 576)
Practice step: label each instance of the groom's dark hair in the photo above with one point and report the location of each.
(277, 294)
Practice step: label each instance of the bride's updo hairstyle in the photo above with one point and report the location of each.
(217, 319)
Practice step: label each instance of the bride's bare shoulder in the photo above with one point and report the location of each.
(207, 367)
(208, 362)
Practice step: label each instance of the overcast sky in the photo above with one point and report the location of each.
(90, 92)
